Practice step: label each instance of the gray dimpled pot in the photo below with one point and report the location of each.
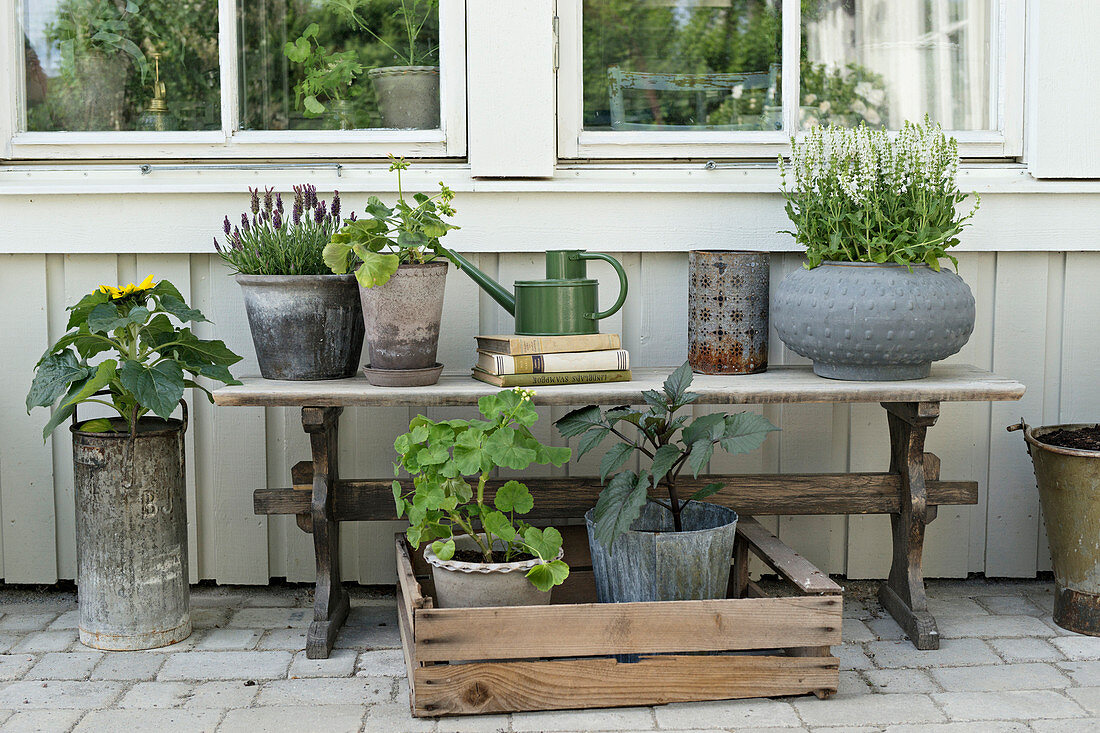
(864, 321)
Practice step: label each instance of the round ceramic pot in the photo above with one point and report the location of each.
(402, 317)
(304, 326)
(131, 535)
(408, 96)
(869, 322)
(475, 584)
(653, 562)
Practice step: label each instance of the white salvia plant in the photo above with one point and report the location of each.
(862, 195)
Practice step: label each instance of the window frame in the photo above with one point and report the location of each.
(576, 143)
(230, 142)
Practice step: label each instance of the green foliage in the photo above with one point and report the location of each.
(439, 455)
(327, 74)
(376, 246)
(670, 442)
(860, 196)
(149, 356)
(844, 97)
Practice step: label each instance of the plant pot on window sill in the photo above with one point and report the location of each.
(408, 96)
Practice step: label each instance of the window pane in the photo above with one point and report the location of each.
(339, 64)
(94, 64)
(682, 64)
(887, 61)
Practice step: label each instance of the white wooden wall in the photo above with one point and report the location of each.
(1036, 322)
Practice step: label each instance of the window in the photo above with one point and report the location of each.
(736, 78)
(236, 78)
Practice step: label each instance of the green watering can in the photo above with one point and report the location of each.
(563, 304)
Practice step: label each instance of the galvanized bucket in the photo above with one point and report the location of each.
(652, 562)
(728, 295)
(1069, 490)
(131, 534)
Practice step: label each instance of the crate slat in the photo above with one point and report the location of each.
(784, 560)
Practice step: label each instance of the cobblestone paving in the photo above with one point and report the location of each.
(1003, 667)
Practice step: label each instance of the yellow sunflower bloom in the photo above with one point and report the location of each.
(125, 290)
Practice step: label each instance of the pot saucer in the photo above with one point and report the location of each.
(403, 377)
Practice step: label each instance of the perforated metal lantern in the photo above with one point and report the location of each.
(728, 311)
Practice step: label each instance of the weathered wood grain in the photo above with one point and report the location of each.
(785, 561)
(779, 385)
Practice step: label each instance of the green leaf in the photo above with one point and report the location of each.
(613, 460)
(504, 450)
(105, 372)
(164, 287)
(546, 543)
(556, 455)
(703, 493)
(701, 451)
(312, 106)
(514, 497)
(656, 400)
(398, 501)
(663, 460)
(218, 372)
(432, 455)
(444, 549)
(545, 576)
(745, 432)
(158, 388)
(578, 421)
(53, 376)
(469, 458)
(498, 524)
(376, 269)
(677, 383)
(179, 309)
(104, 318)
(618, 506)
(336, 256)
(591, 439)
(702, 427)
(195, 352)
(99, 425)
(377, 209)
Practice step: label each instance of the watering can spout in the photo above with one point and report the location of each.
(488, 284)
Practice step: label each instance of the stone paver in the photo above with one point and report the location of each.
(12, 621)
(222, 694)
(9, 639)
(128, 666)
(225, 666)
(1086, 674)
(40, 642)
(952, 627)
(739, 713)
(855, 631)
(952, 652)
(384, 662)
(340, 663)
(1077, 725)
(1018, 704)
(14, 666)
(150, 721)
(1024, 649)
(156, 695)
(900, 680)
(278, 719)
(1086, 697)
(285, 639)
(1031, 676)
(41, 721)
(1011, 605)
(1078, 647)
(64, 666)
(869, 709)
(271, 618)
(27, 694)
(321, 691)
(228, 639)
(616, 719)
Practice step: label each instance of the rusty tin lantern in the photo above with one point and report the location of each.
(728, 311)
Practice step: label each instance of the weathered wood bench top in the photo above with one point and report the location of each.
(780, 384)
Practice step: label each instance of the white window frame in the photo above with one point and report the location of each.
(231, 142)
(576, 143)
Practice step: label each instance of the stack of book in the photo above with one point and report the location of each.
(531, 361)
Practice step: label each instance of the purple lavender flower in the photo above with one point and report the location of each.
(236, 238)
(299, 197)
(320, 212)
(336, 205)
(279, 202)
(296, 212)
(218, 246)
(244, 222)
(226, 226)
(311, 196)
(277, 218)
(351, 216)
(255, 199)
(268, 202)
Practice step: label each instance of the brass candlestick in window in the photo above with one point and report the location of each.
(157, 117)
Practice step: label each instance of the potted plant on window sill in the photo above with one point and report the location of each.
(306, 323)
(653, 549)
(131, 518)
(480, 552)
(402, 272)
(876, 215)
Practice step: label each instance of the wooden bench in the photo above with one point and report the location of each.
(909, 491)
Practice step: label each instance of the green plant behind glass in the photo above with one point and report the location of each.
(441, 455)
(668, 441)
(327, 74)
(413, 17)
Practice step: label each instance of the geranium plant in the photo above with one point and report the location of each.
(450, 462)
(670, 442)
(328, 74)
(275, 242)
(149, 355)
(388, 237)
(861, 195)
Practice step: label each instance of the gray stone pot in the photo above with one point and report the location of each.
(475, 585)
(408, 96)
(402, 317)
(304, 326)
(131, 536)
(868, 322)
(652, 562)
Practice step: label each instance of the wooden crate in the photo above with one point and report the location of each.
(576, 653)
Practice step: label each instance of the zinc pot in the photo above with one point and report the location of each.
(1069, 491)
(408, 96)
(864, 321)
(402, 317)
(652, 562)
(728, 311)
(131, 535)
(304, 326)
(474, 584)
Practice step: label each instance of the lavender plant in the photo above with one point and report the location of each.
(858, 195)
(276, 242)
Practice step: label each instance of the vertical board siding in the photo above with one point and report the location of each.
(1034, 323)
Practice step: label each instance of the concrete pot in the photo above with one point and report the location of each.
(304, 326)
(402, 317)
(408, 96)
(652, 562)
(475, 585)
(864, 321)
(131, 535)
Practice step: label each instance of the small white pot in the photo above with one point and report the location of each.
(476, 584)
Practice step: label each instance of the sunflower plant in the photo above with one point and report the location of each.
(152, 356)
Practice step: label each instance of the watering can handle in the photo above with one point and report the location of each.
(622, 283)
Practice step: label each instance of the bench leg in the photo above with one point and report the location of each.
(330, 600)
(903, 593)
